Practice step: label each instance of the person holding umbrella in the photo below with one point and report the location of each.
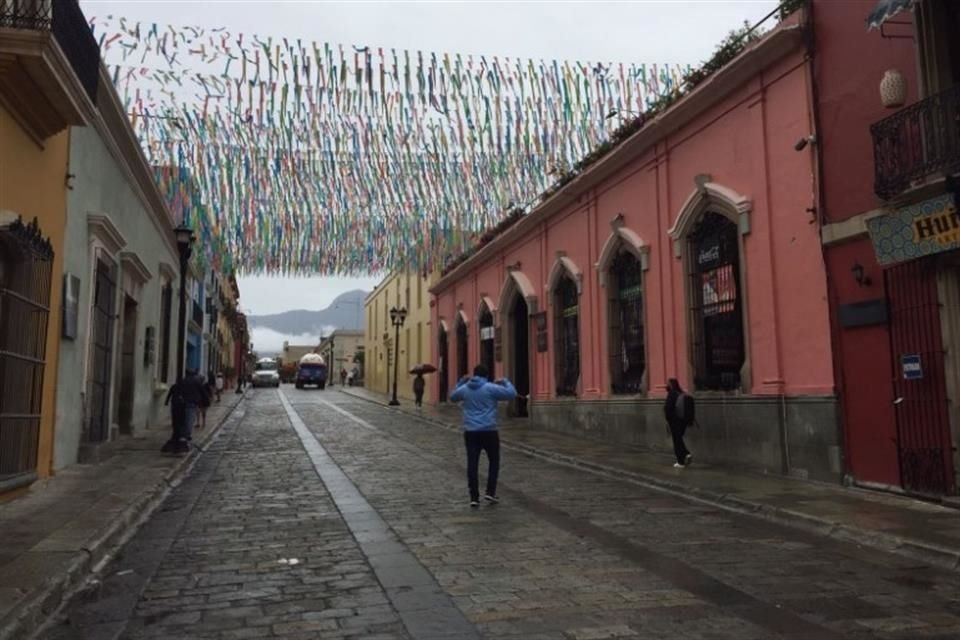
(419, 384)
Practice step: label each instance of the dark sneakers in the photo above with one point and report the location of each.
(474, 504)
(491, 499)
(168, 446)
(182, 447)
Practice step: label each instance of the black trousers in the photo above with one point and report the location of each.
(418, 398)
(477, 441)
(677, 429)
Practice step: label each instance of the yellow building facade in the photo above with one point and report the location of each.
(45, 87)
(226, 321)
(398, 290)
(32, 187)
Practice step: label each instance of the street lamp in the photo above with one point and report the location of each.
(184, 241)
(333, 364)
(397, 317)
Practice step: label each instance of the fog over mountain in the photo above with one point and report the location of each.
(302, 326)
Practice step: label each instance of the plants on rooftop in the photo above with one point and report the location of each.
(735, 42)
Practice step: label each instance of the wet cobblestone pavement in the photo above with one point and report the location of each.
(324, 516)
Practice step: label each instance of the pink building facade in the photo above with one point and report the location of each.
(693, 251)
(889, 199)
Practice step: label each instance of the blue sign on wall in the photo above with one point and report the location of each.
(912, 366)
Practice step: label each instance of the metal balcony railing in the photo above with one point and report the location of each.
(917, 142)
(69, 26)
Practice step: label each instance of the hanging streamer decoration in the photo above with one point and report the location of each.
(296, 157)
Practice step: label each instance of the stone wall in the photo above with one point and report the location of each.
(745, 430)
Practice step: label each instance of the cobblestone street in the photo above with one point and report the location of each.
(321, 515)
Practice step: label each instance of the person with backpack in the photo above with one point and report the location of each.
(183, 398)
(206, 386)
(679, 412)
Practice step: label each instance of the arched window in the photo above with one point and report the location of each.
(716, 303)
(443, 363)
(463, 363)
(627, 349)
(566, 327)
(485, 324)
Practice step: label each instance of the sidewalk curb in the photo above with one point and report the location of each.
(943, 557)
(24, 620)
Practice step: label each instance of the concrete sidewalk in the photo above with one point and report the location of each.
(921, 530)
(54, 535)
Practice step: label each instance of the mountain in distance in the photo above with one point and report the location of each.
(345, 312)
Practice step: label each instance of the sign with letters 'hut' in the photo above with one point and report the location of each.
(921, 229)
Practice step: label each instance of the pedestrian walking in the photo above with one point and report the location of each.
(205, 386)
(343, 377)
(220, 384)
(480, 398)
(183, 397)
(419, 385)
(679, 412)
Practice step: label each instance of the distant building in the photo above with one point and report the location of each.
(293, 352)
(339, 350)
(410, 291)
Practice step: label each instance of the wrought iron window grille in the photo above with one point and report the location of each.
(66, 21)
(463, 362)
(485, 324)
(917, 142)
(567, 336)
(25, 283)
(717, 337)
(627, 351)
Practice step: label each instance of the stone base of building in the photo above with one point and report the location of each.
(796, 436)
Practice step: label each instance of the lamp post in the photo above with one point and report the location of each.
(397, 317)
(240, 365)
(333, 363)
(184, 241)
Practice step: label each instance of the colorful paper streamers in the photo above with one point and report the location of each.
(299, 157)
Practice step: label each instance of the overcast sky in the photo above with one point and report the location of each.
(643, 31)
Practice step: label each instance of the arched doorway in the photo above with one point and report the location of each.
(519, 356)
(486, 332)
(463, 362)
(443, 348)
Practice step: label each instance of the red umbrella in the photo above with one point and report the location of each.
(423, 368)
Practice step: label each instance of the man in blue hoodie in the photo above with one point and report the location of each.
(480, 397)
